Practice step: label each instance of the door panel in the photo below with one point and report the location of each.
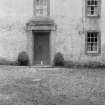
(41, 48)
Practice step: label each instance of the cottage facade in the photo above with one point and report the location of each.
(44, 27)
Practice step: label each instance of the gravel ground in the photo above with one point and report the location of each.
(51, 86)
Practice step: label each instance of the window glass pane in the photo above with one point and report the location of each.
(94, 48)
(92, 34)
(95, 40)
(92, 2)
(89, 48)
(89, 44)
(92, 12)
(96, 2)
(92, 8)
(96, 10)
(89, 34)
(89, 2)
(89, 39)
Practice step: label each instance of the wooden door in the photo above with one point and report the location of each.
(41, 48)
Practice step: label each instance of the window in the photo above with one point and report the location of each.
(93, 42)
(41, 7)
(93, 7)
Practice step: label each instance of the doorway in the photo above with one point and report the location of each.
(41, 48)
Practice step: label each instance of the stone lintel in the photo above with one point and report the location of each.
(44, 24)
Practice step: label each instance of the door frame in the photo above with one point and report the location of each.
(49, 34)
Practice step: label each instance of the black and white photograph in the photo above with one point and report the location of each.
(52, 52)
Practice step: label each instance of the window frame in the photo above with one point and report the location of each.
(98, 7)
(34, 8)
(95, 53)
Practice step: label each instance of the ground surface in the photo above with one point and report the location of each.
(51, 86)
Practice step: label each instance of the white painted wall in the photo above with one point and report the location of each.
(13, 16)
(72, 25)
(67, 14)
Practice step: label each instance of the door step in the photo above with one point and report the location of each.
(42, 66)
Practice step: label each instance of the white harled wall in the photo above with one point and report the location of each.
(69, 15)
